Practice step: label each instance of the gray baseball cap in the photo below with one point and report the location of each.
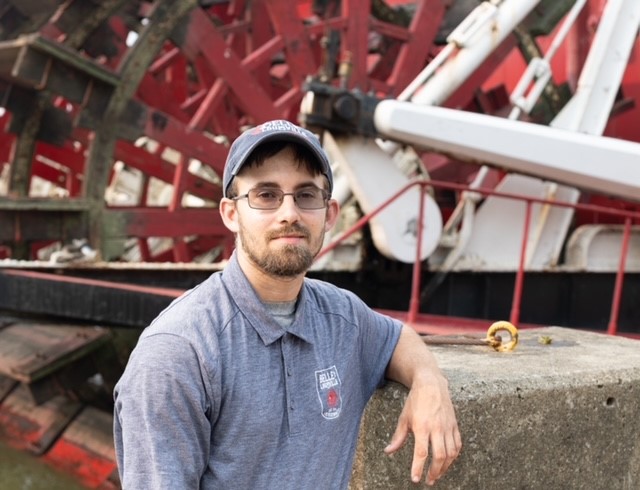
(278, 130)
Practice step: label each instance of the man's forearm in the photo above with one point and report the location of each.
(428, 412)
(411, 360)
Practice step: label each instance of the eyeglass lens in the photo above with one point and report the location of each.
(270, 198)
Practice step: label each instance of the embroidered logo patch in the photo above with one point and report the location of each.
(328, 386)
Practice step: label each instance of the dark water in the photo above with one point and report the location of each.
(22, 471)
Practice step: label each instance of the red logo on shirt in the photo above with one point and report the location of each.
(332, 398)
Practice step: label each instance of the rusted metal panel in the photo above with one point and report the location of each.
(31, 427)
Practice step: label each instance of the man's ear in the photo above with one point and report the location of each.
(333, 210)
(229, 214)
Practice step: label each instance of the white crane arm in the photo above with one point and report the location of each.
(607, 165)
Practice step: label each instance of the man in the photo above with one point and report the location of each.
(258, 377)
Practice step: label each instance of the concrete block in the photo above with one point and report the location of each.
(560, 416)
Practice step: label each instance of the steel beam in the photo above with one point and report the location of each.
(74, 298)
(605, 165)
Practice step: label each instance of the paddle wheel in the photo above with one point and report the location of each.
(115, 121)
(118, 115)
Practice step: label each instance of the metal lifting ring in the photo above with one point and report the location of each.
(496, 342)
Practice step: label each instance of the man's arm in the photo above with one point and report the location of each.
(428, 411)
(161, 429)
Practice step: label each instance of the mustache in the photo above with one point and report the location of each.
(294, 229)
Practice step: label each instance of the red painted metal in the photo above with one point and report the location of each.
(85, 450)
(424, 27)
(514, 316)
(125, 286)
(220, 76)
(93, 471)
(412, 314)
(67, 436)
(414, 302)
(31, 427)
(238, 63)
(612, 328)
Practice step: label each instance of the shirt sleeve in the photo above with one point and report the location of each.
(161, 416)
(379, 336)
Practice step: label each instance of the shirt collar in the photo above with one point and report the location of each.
(248, 301)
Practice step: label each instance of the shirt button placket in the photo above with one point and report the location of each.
(287, 346)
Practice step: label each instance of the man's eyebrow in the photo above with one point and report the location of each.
(267, 184)
(274, 185)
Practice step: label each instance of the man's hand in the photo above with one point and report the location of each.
(428, 411)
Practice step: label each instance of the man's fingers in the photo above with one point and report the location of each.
(399, 437)
(438, 459)
(454, 446)
(458, 439)
(444, 452)
(443, 449)
(420, 455)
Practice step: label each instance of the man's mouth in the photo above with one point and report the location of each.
(290, 235)
(290, 238)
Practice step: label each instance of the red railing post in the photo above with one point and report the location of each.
(612, 328)
(514, 318)
(414, 302)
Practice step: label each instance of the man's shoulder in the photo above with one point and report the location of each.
(207, 306)
(324, 288)
(334, 297)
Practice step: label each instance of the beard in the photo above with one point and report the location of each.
(289, 260)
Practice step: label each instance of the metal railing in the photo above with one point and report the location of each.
(629, 218)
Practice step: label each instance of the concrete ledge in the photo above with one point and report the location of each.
(559, 416)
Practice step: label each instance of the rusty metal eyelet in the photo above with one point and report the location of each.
(496, 342)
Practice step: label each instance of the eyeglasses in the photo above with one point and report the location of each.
(307, 198)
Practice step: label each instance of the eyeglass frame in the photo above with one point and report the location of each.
(324, 193)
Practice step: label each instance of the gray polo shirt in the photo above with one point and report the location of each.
(218, 395)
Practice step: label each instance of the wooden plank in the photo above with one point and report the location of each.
(35, 8)
(29, 352)
(31, 427)
(86, 450)
(43, 205)
(40, 224)
(6, 385)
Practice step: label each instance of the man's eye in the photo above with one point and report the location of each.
(266, 194)
(308, 194)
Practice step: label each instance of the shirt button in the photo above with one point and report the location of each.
(288, 372)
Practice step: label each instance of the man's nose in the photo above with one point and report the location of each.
(288, 210)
